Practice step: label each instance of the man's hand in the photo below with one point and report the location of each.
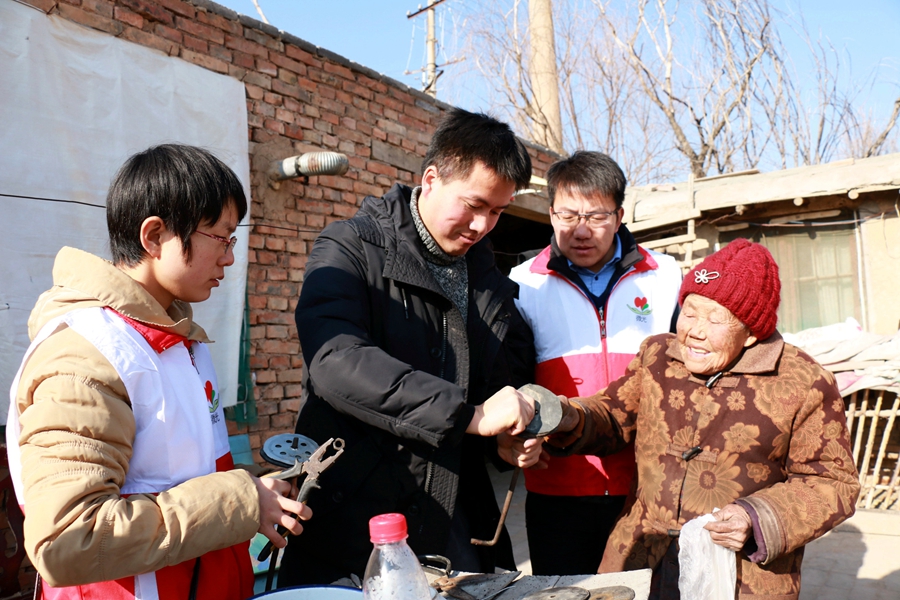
(732, 527)
(528, 454)
(507, 411)
(276, 509)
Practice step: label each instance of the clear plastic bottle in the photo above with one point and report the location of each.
(393, 571)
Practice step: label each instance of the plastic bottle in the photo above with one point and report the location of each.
(393, 571)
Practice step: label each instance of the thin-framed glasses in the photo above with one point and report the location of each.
(593, 219)
(227, 242)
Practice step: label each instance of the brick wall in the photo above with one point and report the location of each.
(300, 98)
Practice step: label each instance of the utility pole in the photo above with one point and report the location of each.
(431, 72)
(544, 77)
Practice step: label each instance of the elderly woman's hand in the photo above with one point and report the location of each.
(570, 418)
(732, 527)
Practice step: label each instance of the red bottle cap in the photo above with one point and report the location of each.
(387, 528)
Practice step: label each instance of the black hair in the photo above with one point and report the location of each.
(587, 174)
(463, 139)
(183, 185)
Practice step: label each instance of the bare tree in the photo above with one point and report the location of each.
(667, 88)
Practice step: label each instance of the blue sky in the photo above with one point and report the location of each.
(377, 34)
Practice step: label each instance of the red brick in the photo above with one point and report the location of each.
(400, 95)
(168, 33)
(282, 420)
(290, 90)
(376, 86)
(150, 10)
(274, 126)
(277, 274)
(128, 17)
(99, 7)
(182, 8)
(207, 62)
(274, 99)
(92, 20)
(197, 45)
(278, 347)
(292, 406)
(286, 63)
(258, 362)
(338, 70)
(258, 79)
(276, 303)
(264, 39)
(264, 66)
(279, 362)
(357, 90)
(293, 132)
(290, 376)
(244, 60)
(288, 77)
(149, 40)
(204, 32)
(238, 43)
(220, 22)
(276, 332)
(265, 377)
(381, 168)
(323, 126)
(303, 56)
(326, 92)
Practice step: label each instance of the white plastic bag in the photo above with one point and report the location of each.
(707, 571)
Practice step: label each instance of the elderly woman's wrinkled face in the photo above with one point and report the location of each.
(711, 337)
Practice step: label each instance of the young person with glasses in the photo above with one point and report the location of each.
(590, 297)
(117, 441)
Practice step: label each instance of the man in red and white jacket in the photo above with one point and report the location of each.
(591, 297)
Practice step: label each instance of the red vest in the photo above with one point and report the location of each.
(580, 350)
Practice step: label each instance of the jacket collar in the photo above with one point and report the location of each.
(83, 280)
(761, 357)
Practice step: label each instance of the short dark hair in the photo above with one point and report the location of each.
(183, 185)
(463, 139)
(587, 173)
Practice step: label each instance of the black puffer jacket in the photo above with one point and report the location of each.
(390, 367)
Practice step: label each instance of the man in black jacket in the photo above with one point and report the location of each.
(409, 333)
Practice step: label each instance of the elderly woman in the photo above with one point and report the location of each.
(726, 415)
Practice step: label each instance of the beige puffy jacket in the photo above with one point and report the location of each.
(76, 441)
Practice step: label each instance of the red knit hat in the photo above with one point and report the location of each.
(742, 277)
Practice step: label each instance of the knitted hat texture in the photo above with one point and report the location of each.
(742, 277)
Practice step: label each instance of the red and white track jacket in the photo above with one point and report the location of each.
(580, 350)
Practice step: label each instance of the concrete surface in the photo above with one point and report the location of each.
(858, 560)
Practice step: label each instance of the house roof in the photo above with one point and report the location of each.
(651, 206)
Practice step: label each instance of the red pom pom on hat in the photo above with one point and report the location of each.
(742, 277)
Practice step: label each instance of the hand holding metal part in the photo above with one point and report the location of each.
(312, 467)
(548, 413)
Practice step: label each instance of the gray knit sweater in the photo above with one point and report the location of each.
(449, 271)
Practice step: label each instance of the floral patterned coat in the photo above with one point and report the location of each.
(772, 436)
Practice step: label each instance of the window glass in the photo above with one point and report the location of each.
(818, 268)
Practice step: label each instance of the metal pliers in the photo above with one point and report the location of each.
(312, 468)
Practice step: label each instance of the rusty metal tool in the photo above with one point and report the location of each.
(476, 586)
(547, 417)
(312, 467)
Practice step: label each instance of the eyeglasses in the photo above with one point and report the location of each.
(227, 242)
(594, 219)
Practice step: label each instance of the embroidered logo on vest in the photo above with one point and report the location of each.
(643, 307)
(212, 400)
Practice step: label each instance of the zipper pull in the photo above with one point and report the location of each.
(602, 325)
